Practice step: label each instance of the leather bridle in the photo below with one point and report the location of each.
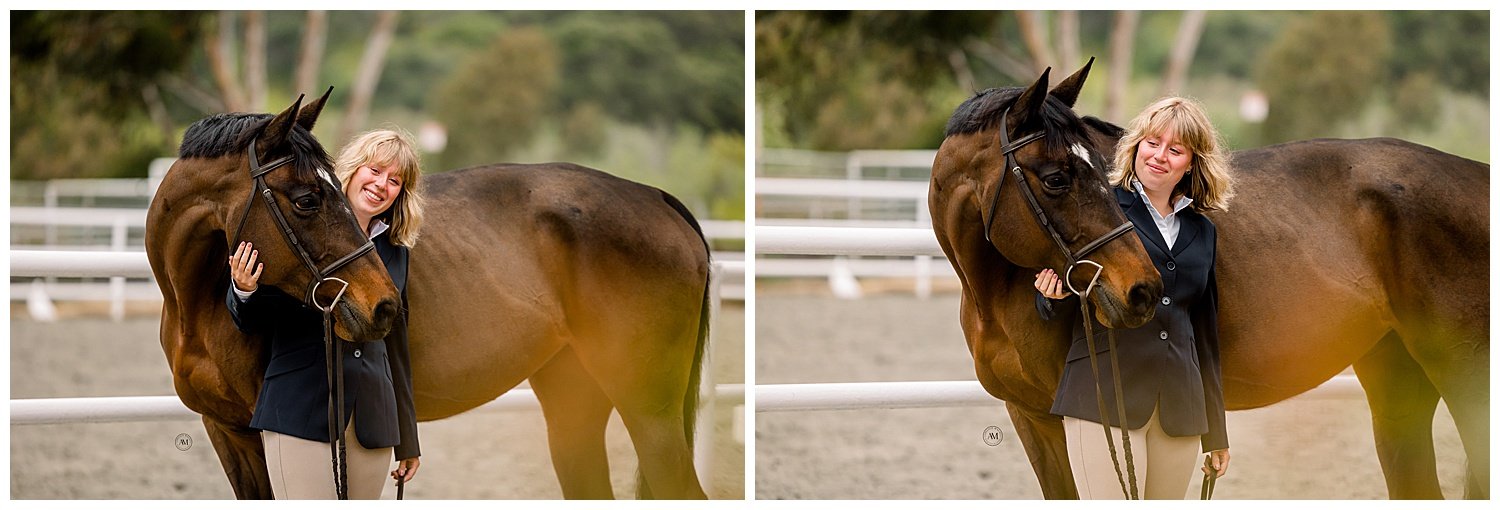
(1075, 259)
(333, 348)
(1008, 149)
(320, 275)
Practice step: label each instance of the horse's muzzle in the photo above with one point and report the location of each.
(358, 327)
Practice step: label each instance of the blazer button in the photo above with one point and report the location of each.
(1171, 266)
(1163, 334)
(1166, 300)
(356, 351)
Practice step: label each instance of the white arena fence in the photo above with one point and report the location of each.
(118, 290)
(56, 263)
(897, 395)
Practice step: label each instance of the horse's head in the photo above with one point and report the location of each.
(1005, 142)
(280, 194)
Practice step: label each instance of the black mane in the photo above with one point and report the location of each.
(228, 134)
(981, 112)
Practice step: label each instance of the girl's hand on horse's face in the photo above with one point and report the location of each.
(239, 267)
(1050, 285)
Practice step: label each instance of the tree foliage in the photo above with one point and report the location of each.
(77, 79)
(832, 73)
(655, 68)
(1321, 71)
(1451, 46)
(495, 101)
(115, 53)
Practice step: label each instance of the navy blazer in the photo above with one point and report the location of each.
(377, 375)
(1173, 359)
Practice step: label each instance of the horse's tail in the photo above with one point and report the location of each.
(705, 315)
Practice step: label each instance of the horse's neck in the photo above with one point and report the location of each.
(199, 211)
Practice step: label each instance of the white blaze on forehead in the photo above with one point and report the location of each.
(1082, 154)
(328, 177)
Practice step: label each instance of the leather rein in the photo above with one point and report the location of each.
(1075, 259)
(333, 349)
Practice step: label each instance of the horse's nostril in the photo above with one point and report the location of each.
(1144, 295)
(385, 314)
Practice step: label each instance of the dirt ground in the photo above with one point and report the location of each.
(470, 456)
(1304, 448)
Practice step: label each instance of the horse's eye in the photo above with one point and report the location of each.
(307, 203)
(1055, 181)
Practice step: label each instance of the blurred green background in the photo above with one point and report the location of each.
(656, 97)
(840, 80)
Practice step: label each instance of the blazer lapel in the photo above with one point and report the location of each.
(1188, 227)
(1145, 225)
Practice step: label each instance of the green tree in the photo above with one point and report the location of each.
(1322, 71)
(655, 69)
(79, 88)
(494, 103)
(1450, 45)
(822, 69)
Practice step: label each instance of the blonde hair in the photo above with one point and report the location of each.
(392, 149)
(1208, 182)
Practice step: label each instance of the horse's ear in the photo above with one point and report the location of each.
(308, 115)
(1027, 110)
(1068, 90)
(279, 128)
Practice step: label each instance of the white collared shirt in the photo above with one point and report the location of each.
(379, 228)
(1169, 225)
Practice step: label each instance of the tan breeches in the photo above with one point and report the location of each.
(1163, 464)
(303, 469)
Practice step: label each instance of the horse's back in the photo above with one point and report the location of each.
(1329, 244)
(581, 208)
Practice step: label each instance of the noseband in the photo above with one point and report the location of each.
(1075, 259)
(320, 275)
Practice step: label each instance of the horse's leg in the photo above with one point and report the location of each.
(1402, 402)
(1461, 377)
(577, 413)
(244, 458)
(1047, 449)
(644, 369)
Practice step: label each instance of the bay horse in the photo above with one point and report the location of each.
(1372, 253)
(593, 287)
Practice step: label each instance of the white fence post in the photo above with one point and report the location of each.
(117, 238)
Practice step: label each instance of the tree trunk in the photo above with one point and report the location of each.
(1121, 51)
(1182, 51)
(1034, 34)
(255, 60)
(204, 101)
(961, 72)
(151, 94)
(1067, 41)
(1002, 61)
(368, 74)
(221, 62)
(314, 38)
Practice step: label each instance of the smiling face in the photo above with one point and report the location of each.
(372, 189)
(1161, 161)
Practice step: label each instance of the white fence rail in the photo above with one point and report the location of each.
(52, 411)
(921, 394)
